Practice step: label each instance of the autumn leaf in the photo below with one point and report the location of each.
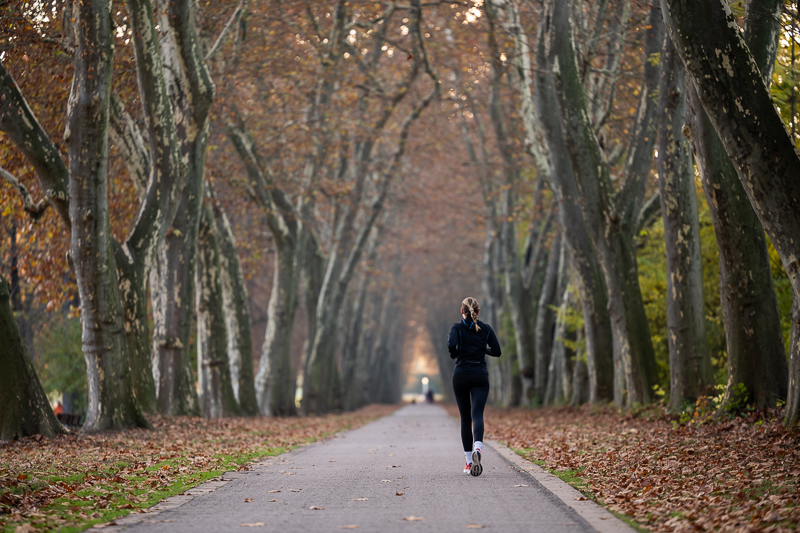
(413, 519)
(399, 493)
(252, 524)
(315, 508)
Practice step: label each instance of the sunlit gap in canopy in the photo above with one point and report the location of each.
(422, 370)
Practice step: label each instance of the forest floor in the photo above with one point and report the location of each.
(73, 481)
(696, 473)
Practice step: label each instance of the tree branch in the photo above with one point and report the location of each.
(34, 209)
(232, 22)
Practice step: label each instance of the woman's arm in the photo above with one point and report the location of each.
(452, 341)
(494, 346)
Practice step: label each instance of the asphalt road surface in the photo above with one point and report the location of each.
(400, 473)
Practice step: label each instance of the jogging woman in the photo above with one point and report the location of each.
(469, 342)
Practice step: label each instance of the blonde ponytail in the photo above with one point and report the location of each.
(471, 308)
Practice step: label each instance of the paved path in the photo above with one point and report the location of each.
(377, 477)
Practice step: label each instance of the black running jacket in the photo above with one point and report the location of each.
(469, 347)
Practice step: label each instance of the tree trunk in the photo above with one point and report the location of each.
(559, 389)
(580, 375)
(275, 382)
(112, 404)
(237, 316)
(594, 298)
(24, 409)
(747, 296)
(689, 359)
(175, 381)
(609, 216)
(546, 316)
(213, 372)
(738, 104)
(192, 96)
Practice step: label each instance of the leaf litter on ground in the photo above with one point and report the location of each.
(73, 481)
(713, 474)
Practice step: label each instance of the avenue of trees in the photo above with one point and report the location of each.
(233, 206)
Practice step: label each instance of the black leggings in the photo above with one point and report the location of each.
(471, 392)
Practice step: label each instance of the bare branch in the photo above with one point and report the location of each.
(34, 209)
(232, 23)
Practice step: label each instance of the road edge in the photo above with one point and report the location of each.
(149, 514)
(595, 515)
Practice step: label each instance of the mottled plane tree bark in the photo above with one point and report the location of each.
(236, 307)
(543, 127)
(275, 381)
(610, 213)
(689, 358)
(747, 296)
(213, 370)
(129, 259)
(112, 403)
(173, 276)
(731, 89)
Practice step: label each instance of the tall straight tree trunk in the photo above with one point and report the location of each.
(546, 317)
(353, 364)
(237, 316)
(689, 359)
(213, 371)
(559, 387)
(112, 403)
(610, 216)
(177, 394)
(24, 409)
(275, 382)
(594, 297)
(192, 97)
(747, 295)
(732, 92)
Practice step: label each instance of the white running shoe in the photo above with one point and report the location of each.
(477, 468)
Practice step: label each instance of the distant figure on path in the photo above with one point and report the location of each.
(429, 396)
(469, 342)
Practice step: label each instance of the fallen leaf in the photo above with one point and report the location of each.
(399, 493)
(253, 524)
(289, 473)
(295, 490)
(413, 519)
(274, 491)
(359, 499)
(315, 508)
(581, 499)
(521, 485)
(248, 500)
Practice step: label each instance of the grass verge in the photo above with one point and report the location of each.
(72, 482)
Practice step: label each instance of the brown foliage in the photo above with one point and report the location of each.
(725, 475)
